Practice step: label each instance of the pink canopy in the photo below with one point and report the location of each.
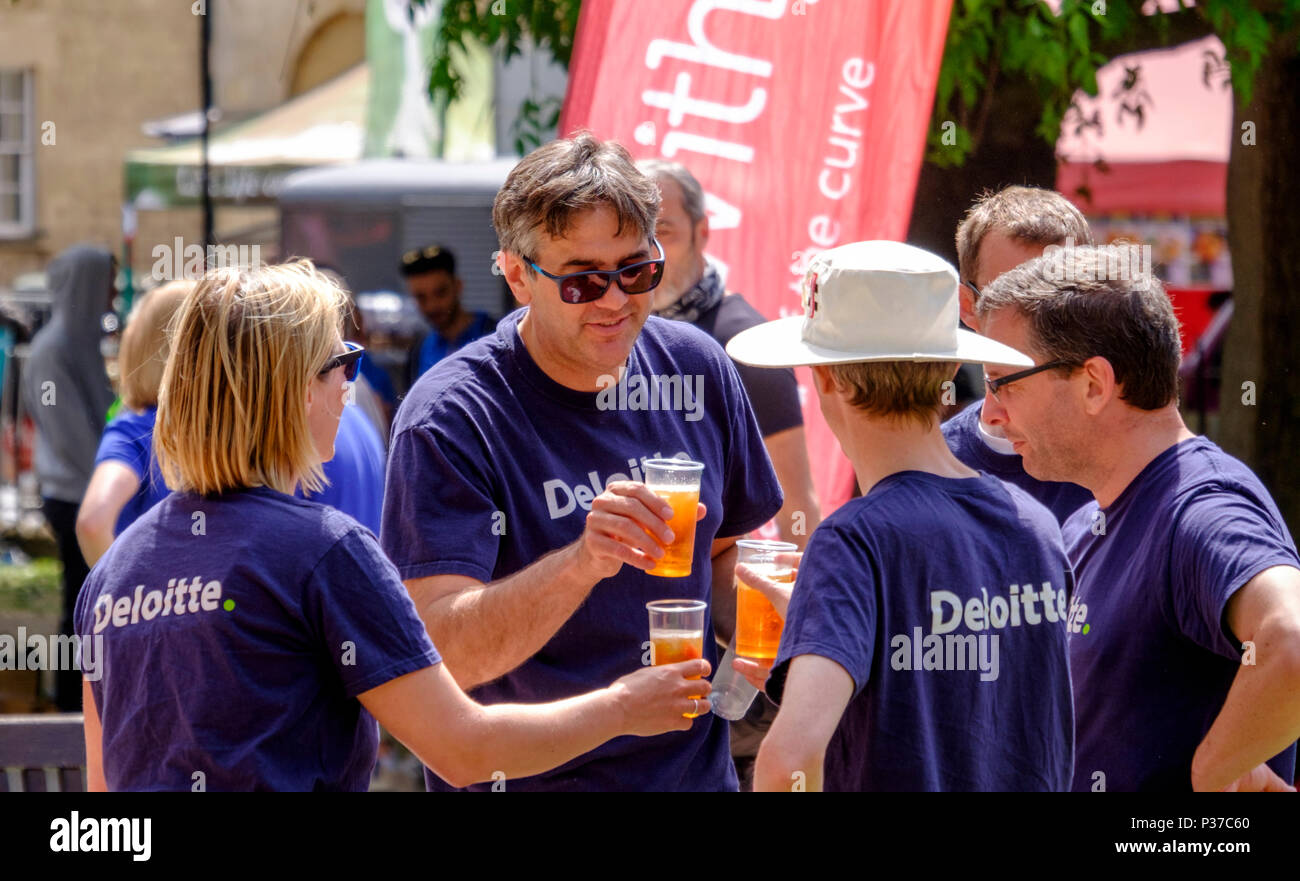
(1176, 162)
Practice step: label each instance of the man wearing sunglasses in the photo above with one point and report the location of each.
(515, 508)
(1001, 231)
(1185, 621)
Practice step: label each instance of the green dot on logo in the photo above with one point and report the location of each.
(1086, 627)
(228, 605)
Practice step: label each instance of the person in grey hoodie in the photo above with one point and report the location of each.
(66, 391)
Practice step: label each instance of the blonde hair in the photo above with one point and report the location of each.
(143, 353)
(899, 390)
(232, 410)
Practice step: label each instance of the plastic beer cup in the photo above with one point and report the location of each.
(677, 482)
(677, 633)
(758, 625)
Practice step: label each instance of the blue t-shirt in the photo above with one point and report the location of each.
(379, 380)
(237, 631)
(129, 439)
(962, 433)
(434, 347)
(493, 464)
(945, 600)
(1150, 650)
(356, 473)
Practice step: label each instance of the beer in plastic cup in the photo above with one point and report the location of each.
(677, 633)
(758, 625)
(677, 482)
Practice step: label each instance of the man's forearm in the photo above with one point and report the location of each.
(778, 769)
(485, 631)
(1260, 717)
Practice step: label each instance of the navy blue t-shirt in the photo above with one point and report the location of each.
(1150, 649)
(237, 632)
(493, 465)
(129, 439)
(945, 600)
(356, 473)
(962, 433)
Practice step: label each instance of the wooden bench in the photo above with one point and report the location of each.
(42, 753)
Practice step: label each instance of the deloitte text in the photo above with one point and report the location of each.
(942, 649)
(182, 597)
(562, 499)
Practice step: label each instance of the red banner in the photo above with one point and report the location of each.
(804, 120)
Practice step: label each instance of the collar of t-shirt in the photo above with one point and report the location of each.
(995, 442)
(522, 361)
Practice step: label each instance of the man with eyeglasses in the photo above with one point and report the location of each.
(515, 508)
(1185, 621)
(1001, 231)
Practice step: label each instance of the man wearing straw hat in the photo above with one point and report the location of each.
(924, 644)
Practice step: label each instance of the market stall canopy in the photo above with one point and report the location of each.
(1176, 161)
(249, 160)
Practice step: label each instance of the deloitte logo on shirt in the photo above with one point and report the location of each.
(186, 596)
(562, 499)
(942, 649)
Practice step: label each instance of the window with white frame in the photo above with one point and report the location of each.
(17, 193)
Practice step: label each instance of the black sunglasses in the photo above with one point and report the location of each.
(583, 287)
(995, 385)
(350, 361)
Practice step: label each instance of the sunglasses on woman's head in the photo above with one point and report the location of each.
(350, 361)
(583, 287)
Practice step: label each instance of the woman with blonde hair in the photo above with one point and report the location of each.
(126, 481)
(246, 637)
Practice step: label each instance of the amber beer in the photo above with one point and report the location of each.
(758, 624)
(677, 633)
(677, 482)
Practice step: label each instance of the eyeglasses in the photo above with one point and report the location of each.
(350, 361)
(974, 289)
(995, 385)
(583, 287)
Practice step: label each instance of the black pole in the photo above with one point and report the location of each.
(205, 76)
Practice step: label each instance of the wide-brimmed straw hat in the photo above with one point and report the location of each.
(873, 301)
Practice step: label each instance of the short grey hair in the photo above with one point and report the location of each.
(558, 181)
(1077, 308)
(692, 192)
(1030, 215)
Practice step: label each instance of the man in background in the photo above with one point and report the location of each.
(66, 391)
(431, 278)
(1001, 231)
